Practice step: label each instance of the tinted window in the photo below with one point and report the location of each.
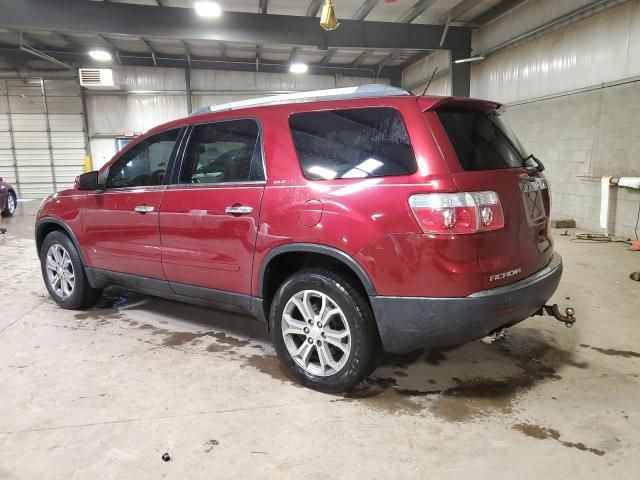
(482, 140)
(355, 143)
(223, 152)
(145, 164)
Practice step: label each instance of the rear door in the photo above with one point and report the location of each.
(209, 219)
(484, 154)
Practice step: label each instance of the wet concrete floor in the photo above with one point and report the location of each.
(105, 392)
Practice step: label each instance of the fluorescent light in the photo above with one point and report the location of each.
(207, 9)
(100, 55)
(298, 67)
(468, 60)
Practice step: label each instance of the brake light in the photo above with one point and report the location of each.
(459, 213)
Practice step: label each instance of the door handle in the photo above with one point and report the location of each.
(238, 210)
(144, 209)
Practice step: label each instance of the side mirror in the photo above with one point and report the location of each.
(88, 181)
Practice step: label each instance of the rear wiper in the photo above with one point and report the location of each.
(539, 167)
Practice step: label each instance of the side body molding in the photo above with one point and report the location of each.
(321, 249)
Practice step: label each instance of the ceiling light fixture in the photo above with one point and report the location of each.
(469, 60)
(328, 19)
(207, 9)
(298, 67)
(100, 55)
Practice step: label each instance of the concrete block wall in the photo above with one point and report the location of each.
(580, 137)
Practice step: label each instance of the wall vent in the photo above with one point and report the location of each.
(99, 79)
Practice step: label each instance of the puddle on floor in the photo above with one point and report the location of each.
(444, 382)
(612, 352)
(542, 433)
(456, 384)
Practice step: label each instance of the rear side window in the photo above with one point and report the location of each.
(482, 140)
(223, 152)
(352, 143)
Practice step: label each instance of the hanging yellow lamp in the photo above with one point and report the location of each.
(328, 19)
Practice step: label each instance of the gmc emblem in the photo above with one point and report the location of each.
(500, 276)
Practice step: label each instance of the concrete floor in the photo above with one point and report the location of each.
(104, 393)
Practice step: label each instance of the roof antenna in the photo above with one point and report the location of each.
(429, 82)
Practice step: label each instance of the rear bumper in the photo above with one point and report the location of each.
(410, 323)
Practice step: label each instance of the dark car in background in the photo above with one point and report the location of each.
(8, 199)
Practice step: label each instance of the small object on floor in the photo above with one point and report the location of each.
(565, 234)
(165, 457)
(635, 276)
(563, 223)
(635, 246)
(3, 230)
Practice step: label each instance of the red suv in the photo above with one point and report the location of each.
(350, 220)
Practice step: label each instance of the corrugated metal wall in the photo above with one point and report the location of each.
(599, 49)
(151, 96)
(42, 142)
(573, 97)
(42, 138)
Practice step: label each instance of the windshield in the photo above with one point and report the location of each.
(482, 140)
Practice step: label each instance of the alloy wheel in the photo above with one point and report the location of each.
(316, 333)
(11, 204)
(60, 272)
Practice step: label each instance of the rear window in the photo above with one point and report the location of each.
(482, 140)
(352, 143)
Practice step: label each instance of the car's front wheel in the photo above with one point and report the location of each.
(64, 274)
(10, 205)
(323, 330)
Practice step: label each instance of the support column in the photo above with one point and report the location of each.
(460, 73)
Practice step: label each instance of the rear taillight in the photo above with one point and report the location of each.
(464, 212)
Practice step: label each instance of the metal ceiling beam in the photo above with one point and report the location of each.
(326, 59)
(295, 51)
(151, 51)
(415, 11)
(361, 58)
(496, 12)
(187, 50)
(135, 20)
(457, 11)
(314, 7)
(365, 9)
(387, 60)
(111, 45)
(14, 54)
(25, 47)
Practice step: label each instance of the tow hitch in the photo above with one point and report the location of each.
(568, 318)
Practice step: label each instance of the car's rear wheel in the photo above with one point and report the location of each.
(323, 330)
(64, 274)
(10, 206)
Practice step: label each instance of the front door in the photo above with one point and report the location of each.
(209, 220)
(121, 223)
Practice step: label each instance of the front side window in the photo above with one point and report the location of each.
(145, 164)
(482, 140)
(223, 152)
(352, 143)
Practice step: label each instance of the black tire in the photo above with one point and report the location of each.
(82, 295)
(365, 343)
(8, 212)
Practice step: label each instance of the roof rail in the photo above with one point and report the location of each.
(362, 91)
